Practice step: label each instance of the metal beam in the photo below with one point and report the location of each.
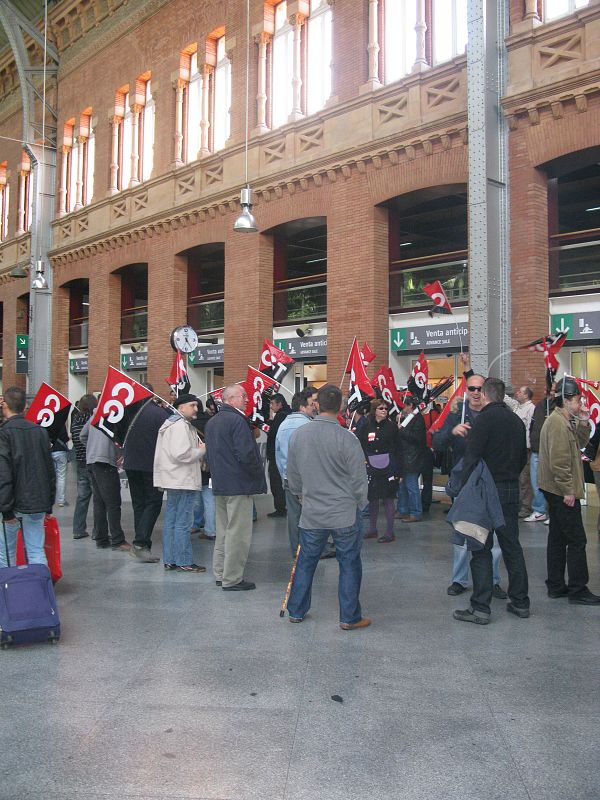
(29, 28)
(489, 268)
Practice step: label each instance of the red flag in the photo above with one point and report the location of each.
(591, 402)
(436, 292)
(551, 349)
(367, 354)
(118, 404)
(419, 378)
(178, 379)
(593, 384)
(217, 396)
(49, 409)
(384, 381)
(274, 362)
(458, 392)
(360, 389)
(255, 384)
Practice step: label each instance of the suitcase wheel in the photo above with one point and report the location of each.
(53, 638)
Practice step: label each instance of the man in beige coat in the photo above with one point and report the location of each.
(560, 477)
(177, 469)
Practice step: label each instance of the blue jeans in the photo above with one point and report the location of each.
(177, 546)
(33, 534)
(348, 542)
(409, 496)
(198, 511)
(210, 524)
(60, 467)
(84, 494)
(460, 565)
(539, 505)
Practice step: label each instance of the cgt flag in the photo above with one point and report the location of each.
(591, 402)
(256, 384)
(50, 410)
(360, 390)
(274, 362)
(436, 292)
(384, 382)
(118, 404)
(178, 379)
(367, 354)
(458, 393)
(419, 378)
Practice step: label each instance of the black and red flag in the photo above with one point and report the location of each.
(383, 381)
(217, 396)
(49, 409)
(178, 379)
(256, 384)
(367, 354)
(274, 362)
(436, 292)
(118, 404)
(549, 346)
(360, 390)
(419, 378)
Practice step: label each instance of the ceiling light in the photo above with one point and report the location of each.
(39, 282)
(18, 272)
(405, 244)
(594, 208)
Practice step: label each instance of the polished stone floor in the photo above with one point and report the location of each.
(163, 686)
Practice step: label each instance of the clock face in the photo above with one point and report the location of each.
(184, 339)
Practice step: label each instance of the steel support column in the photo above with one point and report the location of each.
(489, 268)
(39, 141)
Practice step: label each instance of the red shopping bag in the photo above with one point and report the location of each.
(51, 546)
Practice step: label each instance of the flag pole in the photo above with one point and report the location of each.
(348, 359)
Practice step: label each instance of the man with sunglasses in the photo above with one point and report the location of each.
(454, 434)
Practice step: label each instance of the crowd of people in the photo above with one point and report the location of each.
(330, 471)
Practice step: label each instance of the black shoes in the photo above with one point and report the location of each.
(522, 613)
(498, 592)
(277, 514)
(554, 594)
(455, 589)
(219, 583)
(80, 535)
(584, 598)
(242, 586)
(102, 544)
(468, 615)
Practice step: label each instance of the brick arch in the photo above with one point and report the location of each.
(560, 137)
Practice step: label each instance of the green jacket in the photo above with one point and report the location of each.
(560, 469)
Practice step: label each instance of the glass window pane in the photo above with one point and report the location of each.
(222, 97)
(319, 61)
(91, 152)
(193, 117)
(442, 27)
(283, 66)
(461, 27)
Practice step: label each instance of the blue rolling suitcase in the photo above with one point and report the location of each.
(28, 611)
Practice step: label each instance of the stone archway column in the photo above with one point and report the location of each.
(357, 276)
(248, 300)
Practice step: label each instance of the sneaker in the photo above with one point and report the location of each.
(143, 555)
(191, 568)
(124, 546)
(523, 613)
(295, 619)
(386, 538)
(170, 566)
(498, 592)
(535, 517)
(547, 521)
(468, 615)
(455, 589)
(242, 586)
(352, 626)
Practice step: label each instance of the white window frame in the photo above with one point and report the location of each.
(222, 97)
(570, 6)
(319, 56)
(400, 39)
(146, 130)
(457, 33)
(124, 173)
(193, 111)
(282, 71)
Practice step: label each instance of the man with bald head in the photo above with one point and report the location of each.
(237, 473)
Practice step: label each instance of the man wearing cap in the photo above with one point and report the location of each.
(560, 476)
(177, 469)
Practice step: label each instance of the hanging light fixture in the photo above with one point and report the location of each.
(18, 272)
(246, 223)
(39, 282)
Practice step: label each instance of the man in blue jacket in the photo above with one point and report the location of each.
(237, 473)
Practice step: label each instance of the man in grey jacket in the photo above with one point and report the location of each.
(326, 468)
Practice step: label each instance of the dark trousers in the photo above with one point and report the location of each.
(106, 491)
(147, 503)
(276, 486)
(512, 552)
(84, 494)
(427, 476)
(566, 546)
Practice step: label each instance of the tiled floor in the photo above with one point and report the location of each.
(165, 687)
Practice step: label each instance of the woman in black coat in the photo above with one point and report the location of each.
(380, 442)
(413, 441)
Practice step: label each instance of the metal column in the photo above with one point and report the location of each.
(489, 267)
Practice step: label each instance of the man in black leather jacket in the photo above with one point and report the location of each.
(27, 479)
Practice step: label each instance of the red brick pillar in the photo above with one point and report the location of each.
(357, 277)
(167, 308)
(15, 321)
(104, 325)
(60, 338)
(529, 264)
(248, 300)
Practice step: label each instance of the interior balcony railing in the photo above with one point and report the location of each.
(134, 324)
(406, 284)
(78, 333)
(304, 301)
(578, 261)
(208, 315)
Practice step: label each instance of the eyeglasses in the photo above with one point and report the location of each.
(474, 388)
(382, 408)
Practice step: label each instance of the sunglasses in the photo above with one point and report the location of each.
(474, 388)
(381, 408)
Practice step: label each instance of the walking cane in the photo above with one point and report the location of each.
(289, 586)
